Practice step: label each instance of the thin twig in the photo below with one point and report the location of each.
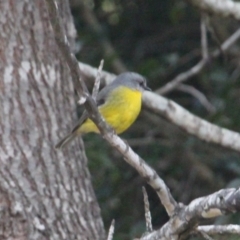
(199, 66)
(97, 81)
(198, 95)
(90, 72)
(111, 230)
(212, 30)
(204, 42)
(182, 77)
(205, 235)
(227, 43)
(148, 217)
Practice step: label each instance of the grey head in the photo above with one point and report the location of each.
(128, 79)
(131, 80)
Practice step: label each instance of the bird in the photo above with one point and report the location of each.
(119, 103)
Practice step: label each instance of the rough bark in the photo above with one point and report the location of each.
(44, 194)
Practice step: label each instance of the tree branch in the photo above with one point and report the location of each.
(179, 116)
(199, 66)
(219, 203)
(111, 230)
(204, 42)
(97, 81)
(220, 229)
(224, 8)
(90, 72)
(198, 95)
(148, 217)
(192, 124)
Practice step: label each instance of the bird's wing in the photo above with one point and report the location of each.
(81, 120)
(102, 95)
(101, 98)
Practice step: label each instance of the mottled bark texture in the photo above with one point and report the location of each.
(44, 194)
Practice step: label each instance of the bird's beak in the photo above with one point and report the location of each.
(147, 88)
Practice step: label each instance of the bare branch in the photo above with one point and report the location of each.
(97, 81)
(198, 95)
(182, 77)
(199, 66)
(205, 235)
(145, 171)
(227, 43)
(111, 230)
(90, 72)
(148, 217)
(220, 229)
(224, 8)
(190, 123)
(219, 203)
(204, 43)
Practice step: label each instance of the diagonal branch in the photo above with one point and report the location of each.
(200, 65)
(192, 124)
(111, 230)
(220, 229)
(198, 95)
(144, 170)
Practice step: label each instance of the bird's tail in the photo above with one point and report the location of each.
(67, 139)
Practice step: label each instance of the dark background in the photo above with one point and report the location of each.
(160, 39)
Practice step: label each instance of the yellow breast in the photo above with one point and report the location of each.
(120, 110)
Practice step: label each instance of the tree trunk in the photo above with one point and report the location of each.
(44, 194)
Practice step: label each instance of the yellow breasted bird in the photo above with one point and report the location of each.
(119, 103)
